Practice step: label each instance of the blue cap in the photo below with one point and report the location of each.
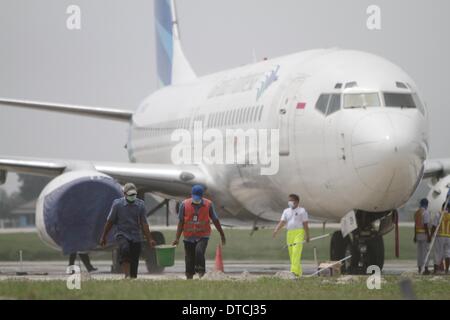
(197, 192)
(424, 203)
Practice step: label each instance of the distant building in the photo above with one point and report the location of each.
(23, 216)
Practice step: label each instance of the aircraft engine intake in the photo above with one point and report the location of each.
(72, 209)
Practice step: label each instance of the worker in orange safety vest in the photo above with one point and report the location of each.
(195, 215)
(442, 243)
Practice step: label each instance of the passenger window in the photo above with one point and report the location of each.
(250, 118)
(322, 103)
(247, 114)
(260, 113)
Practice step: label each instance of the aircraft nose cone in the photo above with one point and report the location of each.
(388, 152)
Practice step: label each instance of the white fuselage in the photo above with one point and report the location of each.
(365, 158)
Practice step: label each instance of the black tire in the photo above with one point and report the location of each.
(149, 254)
(375, 249)
(340, 247)
(337, 247)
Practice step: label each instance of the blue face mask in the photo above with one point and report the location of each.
(131, 198)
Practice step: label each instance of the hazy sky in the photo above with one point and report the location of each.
(111, 62)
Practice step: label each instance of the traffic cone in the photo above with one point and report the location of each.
(219, 260)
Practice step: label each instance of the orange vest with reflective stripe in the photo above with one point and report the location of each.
(444, 229)
(196, 225)
(418, 218)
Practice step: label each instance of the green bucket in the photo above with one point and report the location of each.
(165, 255)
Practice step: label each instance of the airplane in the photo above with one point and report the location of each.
(353, 142)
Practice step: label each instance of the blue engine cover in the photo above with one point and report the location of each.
(75, 213)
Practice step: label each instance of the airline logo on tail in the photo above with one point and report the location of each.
(164, 41)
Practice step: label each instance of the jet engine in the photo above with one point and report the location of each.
(72, 209)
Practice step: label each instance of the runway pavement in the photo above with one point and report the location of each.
(55, 270)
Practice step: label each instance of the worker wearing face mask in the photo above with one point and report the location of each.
(195, 215)
(295, 218)
(128, 215)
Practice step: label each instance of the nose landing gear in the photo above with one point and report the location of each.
(365, 244)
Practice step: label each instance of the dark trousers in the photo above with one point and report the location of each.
(195, 257)
(129, 251)
(135, 253)
(84, 258)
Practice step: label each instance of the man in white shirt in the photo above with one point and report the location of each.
(295, 218)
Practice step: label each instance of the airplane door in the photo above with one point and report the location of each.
(290, 107)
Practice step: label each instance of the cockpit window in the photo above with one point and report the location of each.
(329, 103)
(361, 100)
(399, 100)
(322, 103)
(418, 103)
(335, 104)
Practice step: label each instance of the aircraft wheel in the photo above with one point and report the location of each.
(375, 248)
(340, 248)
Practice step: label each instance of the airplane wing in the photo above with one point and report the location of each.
(436, 168)
(165, 179)
(98, 112)
(161, 178)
